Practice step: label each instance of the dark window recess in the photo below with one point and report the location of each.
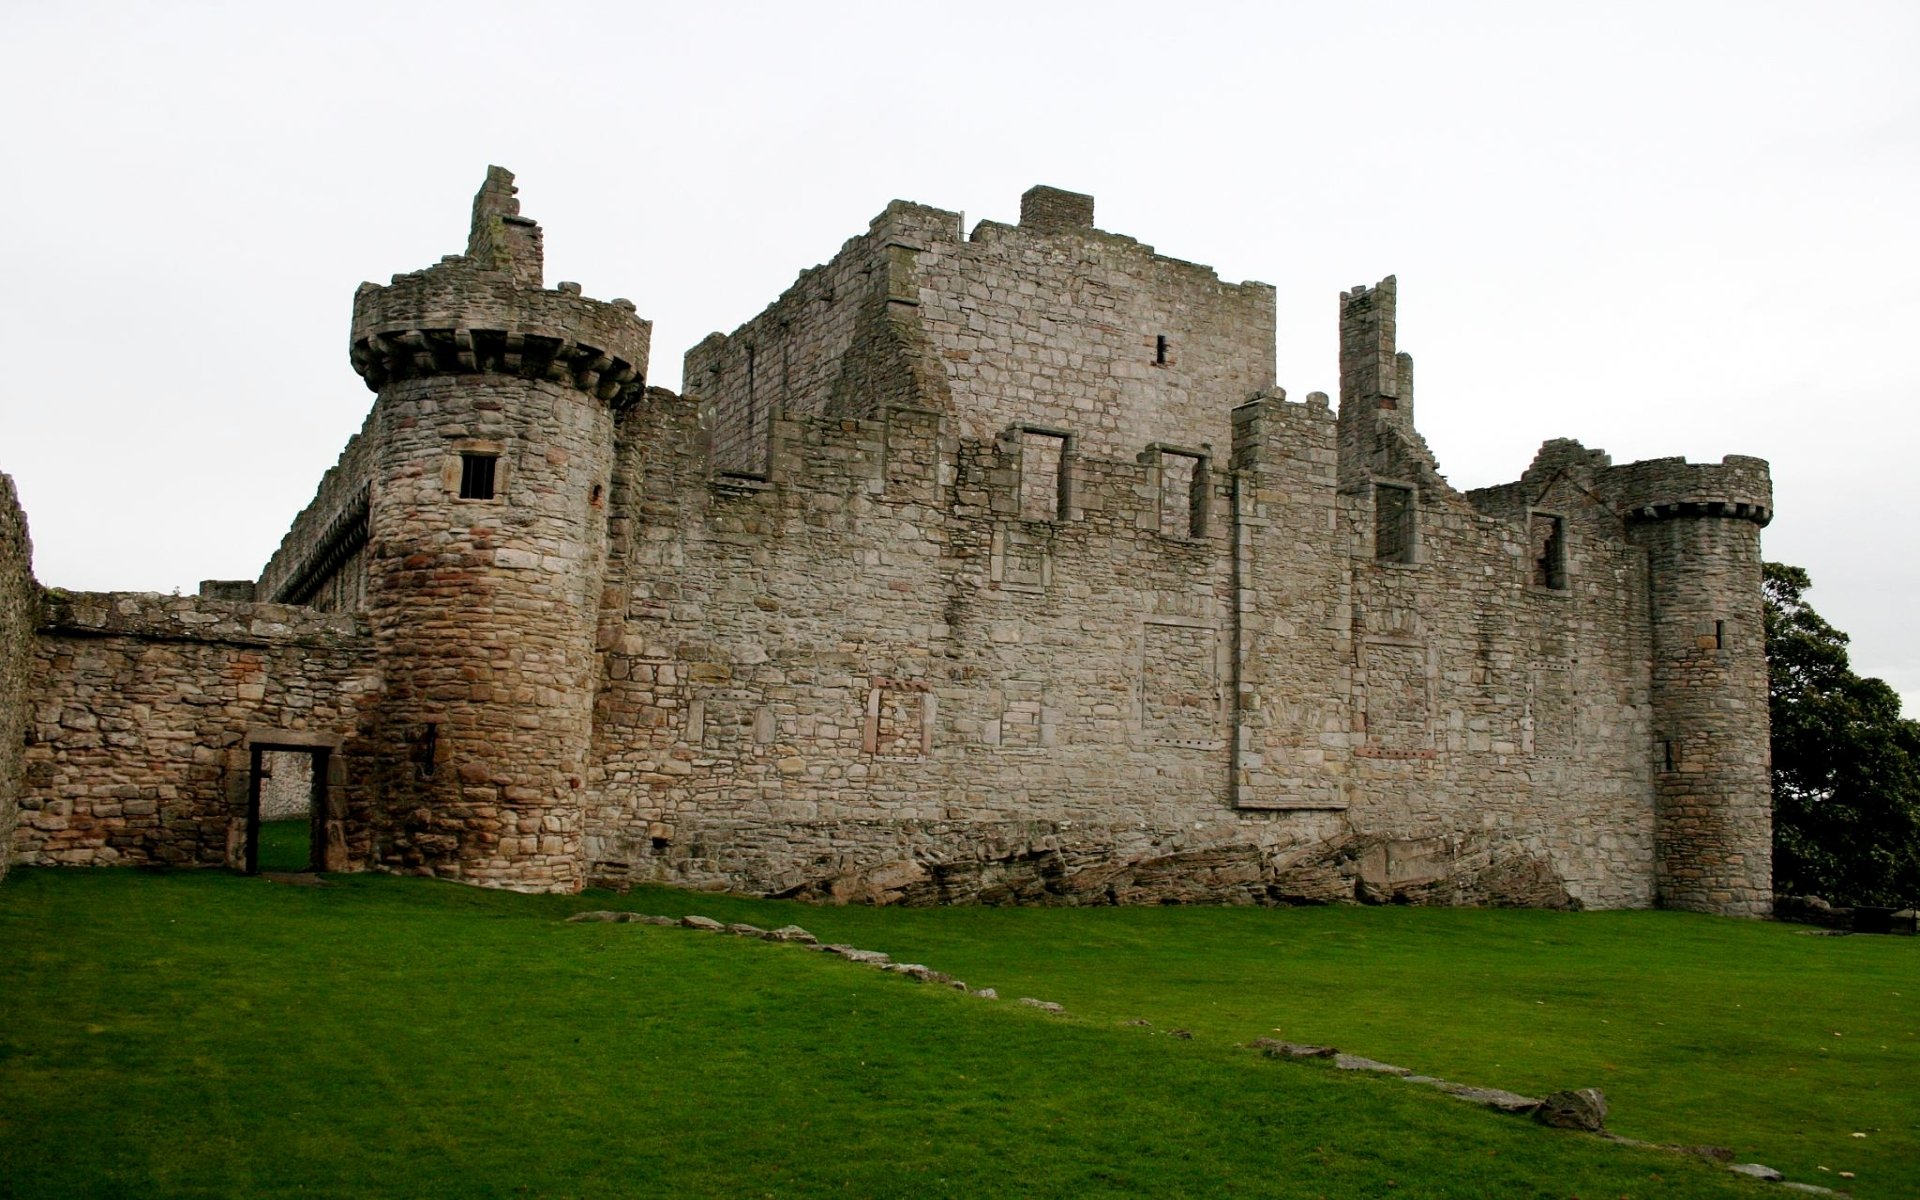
(1393, 515)
(476, 476)
(1160, 350)
(1719, 635)
(1549, 535)
(425, 751)
(1666, 756)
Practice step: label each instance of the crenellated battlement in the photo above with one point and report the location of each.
(1737, 486)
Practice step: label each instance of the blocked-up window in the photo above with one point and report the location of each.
(1043, 475)
(1393, 523)
(1548, 536)
(1182, 498)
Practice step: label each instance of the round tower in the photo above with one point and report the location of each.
(1713, 826)
(493, 448)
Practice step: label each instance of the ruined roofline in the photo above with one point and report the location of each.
(486, 311)
(1739, 485)
(917, 225)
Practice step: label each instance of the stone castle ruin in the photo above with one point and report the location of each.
(983, 567)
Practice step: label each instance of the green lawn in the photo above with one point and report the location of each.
(286, 845)
(204, 1034)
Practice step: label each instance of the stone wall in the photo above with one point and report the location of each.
(19, 615)
(484, 591)
(1284, 660)
(981, 570)
(322, 561)
(1051, 323)
(142, 710)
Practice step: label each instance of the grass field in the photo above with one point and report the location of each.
(286, 845)
(204, 1034)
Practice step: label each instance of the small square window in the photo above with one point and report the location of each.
(476, 476)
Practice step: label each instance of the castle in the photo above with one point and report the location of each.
(983, 567)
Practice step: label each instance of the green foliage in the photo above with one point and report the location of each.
(1846, 765)
(203, 1034)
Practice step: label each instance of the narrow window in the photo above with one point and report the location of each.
(476, 476)
(1043, 475)
(1160, 350)
(1666, 756)
(1719, 635)
(1393, 516)
(1549, 536)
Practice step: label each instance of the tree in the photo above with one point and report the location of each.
(1846, 764)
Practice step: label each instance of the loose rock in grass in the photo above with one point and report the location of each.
(706, 923)
(1042, 1005)
(1494, 1098)
(790, 933)
(1757, 1171)
(742, 929)
(1584, 1108)
(1275, 1048)
(1353, 1062)
(984, 994)
(873, 958)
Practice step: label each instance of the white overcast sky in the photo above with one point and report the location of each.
(1661, 228)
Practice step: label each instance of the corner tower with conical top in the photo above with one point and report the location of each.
(487, 528)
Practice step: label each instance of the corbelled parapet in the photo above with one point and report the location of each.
(1736, 486)
(484, 312)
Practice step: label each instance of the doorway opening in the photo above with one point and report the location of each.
(286, 808)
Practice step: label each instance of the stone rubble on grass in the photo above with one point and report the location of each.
(1580, 1108)
(924, 974)
(1757, 1171)
(1494, 1098)
(854, 954)
(1275, 1048)
(1353, 1062)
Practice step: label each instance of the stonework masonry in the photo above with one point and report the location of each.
(980, 567)
(19, 616)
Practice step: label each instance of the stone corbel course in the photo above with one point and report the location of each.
(1582, 1109)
